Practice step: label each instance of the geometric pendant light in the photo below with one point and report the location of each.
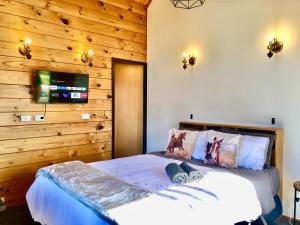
(187, 4)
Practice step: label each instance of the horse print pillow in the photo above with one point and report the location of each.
(222, 149)
(181, 143)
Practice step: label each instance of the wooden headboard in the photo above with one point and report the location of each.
(277, 148)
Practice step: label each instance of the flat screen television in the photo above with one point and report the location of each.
(57, 87)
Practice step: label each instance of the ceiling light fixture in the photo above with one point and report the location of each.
(187, 4)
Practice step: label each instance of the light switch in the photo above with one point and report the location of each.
(26, 118)
(85, 116)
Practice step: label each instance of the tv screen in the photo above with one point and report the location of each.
(57, 87)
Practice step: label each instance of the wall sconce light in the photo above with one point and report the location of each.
(274, 46)
(188, 61)
(87, 57)
(25, 49)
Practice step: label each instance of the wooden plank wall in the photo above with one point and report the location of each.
(60, 31)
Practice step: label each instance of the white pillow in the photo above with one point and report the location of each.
(200, 146)
(252, 152)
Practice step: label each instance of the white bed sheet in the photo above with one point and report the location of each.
(219, 198)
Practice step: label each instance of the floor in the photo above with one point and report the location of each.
(20, 216)
(16, 216)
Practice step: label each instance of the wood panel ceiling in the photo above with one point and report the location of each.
(145, 2)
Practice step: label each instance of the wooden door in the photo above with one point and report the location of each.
(128, 109)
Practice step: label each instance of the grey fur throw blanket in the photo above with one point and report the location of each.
(94, 188)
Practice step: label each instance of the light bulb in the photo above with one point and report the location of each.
(91, 52)
(271, 39)
(28, 41)
(184, 55)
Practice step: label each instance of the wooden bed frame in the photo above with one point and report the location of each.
(277, 148)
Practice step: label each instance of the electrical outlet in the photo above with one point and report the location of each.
(26, 118)
(39, 118)
(85, 116)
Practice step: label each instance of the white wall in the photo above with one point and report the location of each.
(233, 80)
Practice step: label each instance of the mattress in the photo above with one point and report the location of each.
(266, 182)
(237, 200)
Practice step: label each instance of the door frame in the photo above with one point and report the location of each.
(123, 61)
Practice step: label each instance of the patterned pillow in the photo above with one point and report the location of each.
(182, 143)
(222, 149)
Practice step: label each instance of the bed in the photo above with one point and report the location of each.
(223, 196)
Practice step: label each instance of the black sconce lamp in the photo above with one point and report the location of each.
(188, 61)
(25, 49)
(274, 46)
(87, 57)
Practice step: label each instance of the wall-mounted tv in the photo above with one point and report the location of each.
(57, 87)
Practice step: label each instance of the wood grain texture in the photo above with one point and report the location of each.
(61, 30)
(29, 170)
(12, 119)
(30, 144)
(145, 2)
(130, 5)
(52, 17)
(24, 91)
(129, 79)
(52, 130)
(28, 105)
(111, 10)
(52, 55)
(27, 79)
(53, 154)
(15, 188)
(81, 11)
(53, 37)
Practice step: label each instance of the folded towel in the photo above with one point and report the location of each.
(176, 173)
(194, 175)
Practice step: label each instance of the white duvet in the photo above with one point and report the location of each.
(220, 198)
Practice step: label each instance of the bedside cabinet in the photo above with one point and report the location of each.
(296, 199)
